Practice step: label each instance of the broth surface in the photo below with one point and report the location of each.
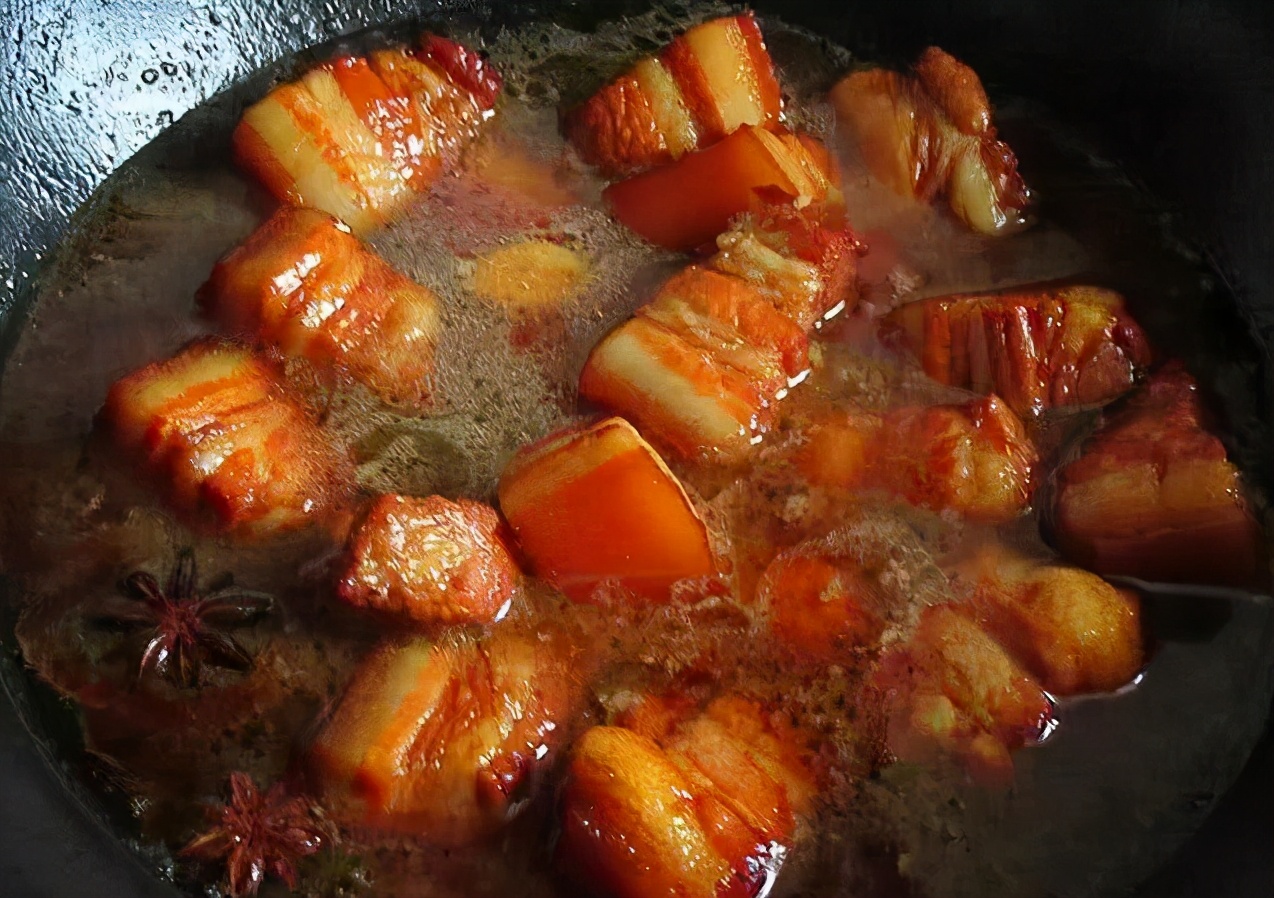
(1093, 810)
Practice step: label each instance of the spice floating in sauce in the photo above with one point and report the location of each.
(186, 628)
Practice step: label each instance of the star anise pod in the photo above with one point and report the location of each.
(186, 629)
(258, 834)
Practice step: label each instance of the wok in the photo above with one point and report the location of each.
(1181, 92)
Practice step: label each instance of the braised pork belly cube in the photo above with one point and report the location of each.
(701, 367)
(688, 402)
(823, 608)
(686, 204)
(705, 810)
(973, 459)
(445, 741)
(929, 135)
(804, 261)
(951, 689)
(303, 284)
(359, 136)
(1071, 629)
(1154, 496)
(226, 442)
(431, 560)
(596, 506)
(707, 83)
(1038, 347)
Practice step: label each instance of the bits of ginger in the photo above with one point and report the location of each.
(529, 276)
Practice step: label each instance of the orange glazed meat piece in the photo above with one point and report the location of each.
(1071, 629)
(431, 560)
(803, 261)
(954, 689)
(706, 810)
(444, 741)
(1038, 347)
(592, 506)
(701, 367)
(707, 83)
(1154, 496)
(226, 441)
(306, 286)
(358, 136)
(629, 822)
(974, 459)
(930, 134)
(685, 205)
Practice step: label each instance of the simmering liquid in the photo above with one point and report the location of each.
(1112, 790)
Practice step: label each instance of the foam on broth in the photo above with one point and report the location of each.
(1093, 810)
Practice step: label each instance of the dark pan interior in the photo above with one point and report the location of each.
(1180, 92)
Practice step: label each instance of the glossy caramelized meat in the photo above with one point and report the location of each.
(930, 134)
(703, 86)
(596, 506)
(974, 459)
(685, 205)
(1153, 495)
(951, 688)
(358, 136)
(969, 678)
(301, 283)
(804, 261)
(1071, 629)
(443, 740)
(700, 368)
(1038, 347)
(226, 441)
(705, 807)
(432, 560)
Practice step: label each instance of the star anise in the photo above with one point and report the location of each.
(186, 629)
(258, 834)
